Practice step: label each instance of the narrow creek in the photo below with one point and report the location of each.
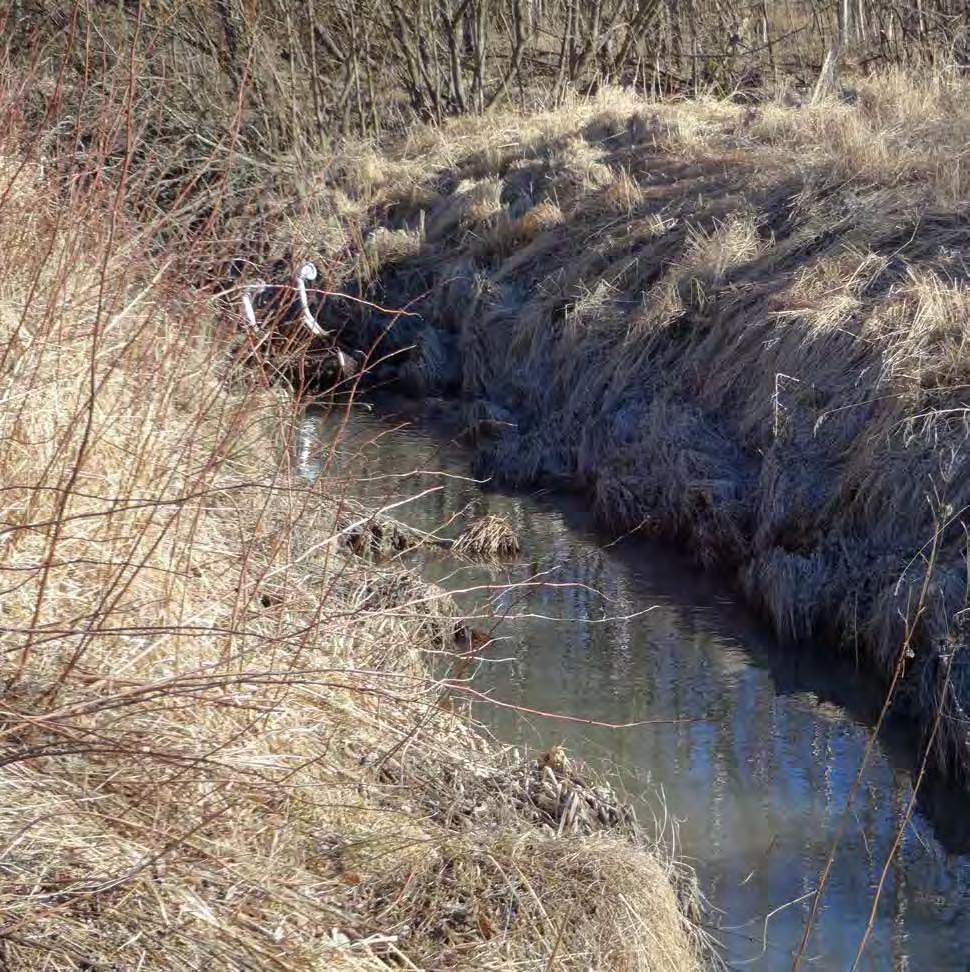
(756, 746)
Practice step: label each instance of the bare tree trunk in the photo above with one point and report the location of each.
(828, 78)
(645, 12)
(314, 66)
(355, 67)
(846, 14)
(564, 53)
(371, 88)
(766, 29)
(454, 21)
(518, 49)
(592, 40)
(481, 41)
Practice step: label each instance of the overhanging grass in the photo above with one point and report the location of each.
(740, 325)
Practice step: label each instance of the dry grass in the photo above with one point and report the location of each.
(221, 745)
(741, 325)
(488, 538)
(477, 888)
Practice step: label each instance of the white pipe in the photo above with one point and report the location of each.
(308, 272)
(250, 291)
(346, 364)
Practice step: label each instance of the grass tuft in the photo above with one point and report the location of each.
(488, 538)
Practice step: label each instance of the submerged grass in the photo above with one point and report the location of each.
(220, 743)
(743, 325)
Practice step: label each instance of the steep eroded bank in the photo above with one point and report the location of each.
(741, 326)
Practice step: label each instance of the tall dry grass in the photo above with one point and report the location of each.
(220, 743)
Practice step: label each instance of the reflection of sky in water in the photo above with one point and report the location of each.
(758, 770)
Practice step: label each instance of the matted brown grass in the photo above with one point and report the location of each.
(488, 538)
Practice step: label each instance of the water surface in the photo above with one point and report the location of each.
(756, 746)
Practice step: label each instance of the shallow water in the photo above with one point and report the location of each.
(756, 746)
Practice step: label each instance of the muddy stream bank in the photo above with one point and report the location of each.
(756, 746)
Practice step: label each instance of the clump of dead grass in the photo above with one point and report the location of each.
(488, 538)
(490, 895)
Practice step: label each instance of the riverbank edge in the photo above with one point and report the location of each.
(716, 364)
(720, 541)
(240, 753)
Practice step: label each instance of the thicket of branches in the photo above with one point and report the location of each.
(324, 66)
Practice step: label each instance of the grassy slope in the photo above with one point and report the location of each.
(200, 686)
(742, 325)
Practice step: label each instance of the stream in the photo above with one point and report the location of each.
(753, 747)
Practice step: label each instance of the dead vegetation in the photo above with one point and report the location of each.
(740, 326)
(221, 745)
(488, 538)
(483, 890)
(371, 66)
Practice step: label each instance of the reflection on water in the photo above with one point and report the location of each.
(762, 745)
